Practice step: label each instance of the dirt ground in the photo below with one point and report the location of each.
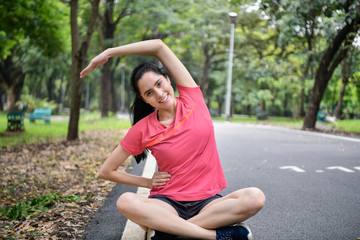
(67, 168)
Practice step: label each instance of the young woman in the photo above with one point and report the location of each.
(184, 199)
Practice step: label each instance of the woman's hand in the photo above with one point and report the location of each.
(99, 60)
(159, 179)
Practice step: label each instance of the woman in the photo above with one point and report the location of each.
(184, 198)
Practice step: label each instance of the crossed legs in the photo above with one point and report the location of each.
(233, 208)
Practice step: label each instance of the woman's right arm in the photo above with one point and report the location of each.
(109, 171)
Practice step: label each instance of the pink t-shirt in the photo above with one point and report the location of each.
(186, 149)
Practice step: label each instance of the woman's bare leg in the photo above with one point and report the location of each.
(160, 216)
(230, 209)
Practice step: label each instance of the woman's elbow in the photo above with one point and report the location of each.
(103, 173)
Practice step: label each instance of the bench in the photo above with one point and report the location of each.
(16, 120)
(260, 114)
(40, 113)
(323, 117)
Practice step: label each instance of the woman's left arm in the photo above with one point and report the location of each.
(156, 48)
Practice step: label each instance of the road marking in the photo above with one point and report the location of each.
(293, 168)
(303, 132)
(344, 169)
(132, 230)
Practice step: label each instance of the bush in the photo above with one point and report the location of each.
(33, 103)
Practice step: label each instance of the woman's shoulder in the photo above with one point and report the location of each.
(145, 122)
(191, 94)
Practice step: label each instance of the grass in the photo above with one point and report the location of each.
(274, 120)
(40, 132)
(349, 126)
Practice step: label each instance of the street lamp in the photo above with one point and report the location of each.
(233, 16)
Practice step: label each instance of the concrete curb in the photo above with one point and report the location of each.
(133, 231)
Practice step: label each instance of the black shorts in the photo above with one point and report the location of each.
(187, 209)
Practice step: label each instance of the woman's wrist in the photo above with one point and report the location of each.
(107, 53)
(149, 183)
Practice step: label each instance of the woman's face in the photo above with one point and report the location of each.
(156, 90)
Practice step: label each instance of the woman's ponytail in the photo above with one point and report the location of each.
(139, 110)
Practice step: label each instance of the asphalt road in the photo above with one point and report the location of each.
(311, 181)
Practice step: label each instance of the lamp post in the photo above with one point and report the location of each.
(233, 17)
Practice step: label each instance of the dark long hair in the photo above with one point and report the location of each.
(140, 108)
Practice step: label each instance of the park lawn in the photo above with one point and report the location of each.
(347, 126)
(352, 126)
(271, 120)
(39, 132)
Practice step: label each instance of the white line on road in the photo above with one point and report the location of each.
(293, 168)
(351, 139)
(132, 230)
(357, 168)
(344, 169)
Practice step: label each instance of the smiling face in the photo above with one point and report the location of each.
(156, 90)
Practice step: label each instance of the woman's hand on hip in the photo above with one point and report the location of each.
(159, 179)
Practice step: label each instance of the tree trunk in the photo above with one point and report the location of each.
(12, 80)
(113, 102)
(50, 88)
(302, 99)
(346, 71)
(78, 59)
(107, 92)
(285, 104)
(327, 65)
(204, 84)
(105, 89)
(1, 100)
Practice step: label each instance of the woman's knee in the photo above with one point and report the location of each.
(256, 198)
(126, 203)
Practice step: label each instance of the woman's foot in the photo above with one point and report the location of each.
(236, 232)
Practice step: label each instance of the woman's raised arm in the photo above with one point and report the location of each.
(156, 48)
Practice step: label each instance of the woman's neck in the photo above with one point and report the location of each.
(166, 117)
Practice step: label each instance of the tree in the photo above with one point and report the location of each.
(23, 25)
(107, 32)
(298, 24)
(333, 55)
(79, 53)
(345, 75)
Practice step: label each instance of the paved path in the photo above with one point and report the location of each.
(311, 181)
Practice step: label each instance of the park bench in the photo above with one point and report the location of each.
(16, 120)
(40, 113)
(323, 117)
(260, 114)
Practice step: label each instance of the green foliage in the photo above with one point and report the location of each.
(40, 21)
(33, 103)
(277, 48)
(40, 204)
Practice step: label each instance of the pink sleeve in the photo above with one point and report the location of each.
(132, 142)
(191, 95)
